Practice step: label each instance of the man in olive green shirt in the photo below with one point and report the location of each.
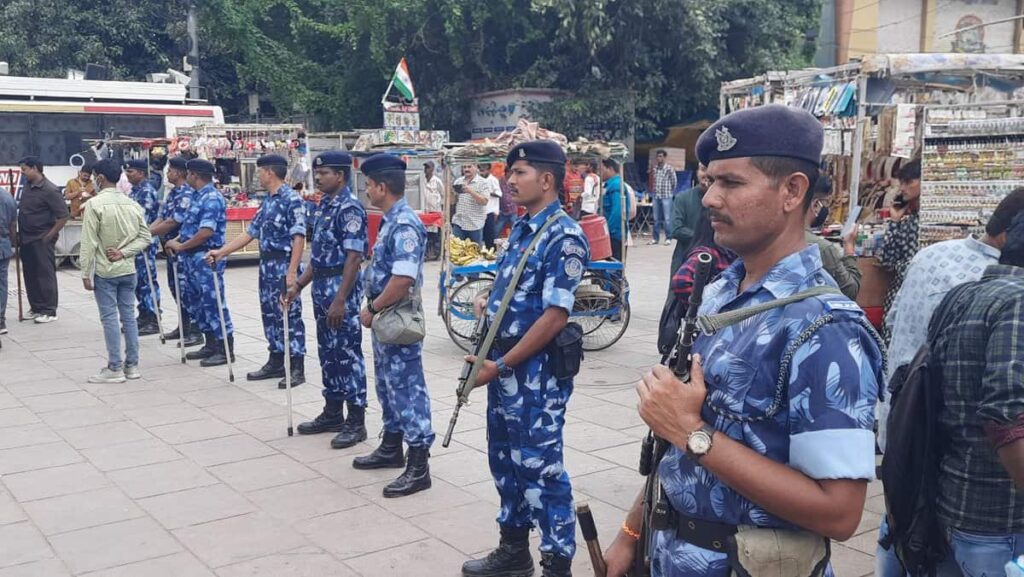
(841, 263)
(114, 230)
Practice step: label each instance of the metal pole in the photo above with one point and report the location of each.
(223, 325)
(287, 358)
(858, 140)
(181, 315)
(193, 53)
(152, 291)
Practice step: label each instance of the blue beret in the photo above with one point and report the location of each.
(546, 151)
(272, 160)
(770, 130)
(200, 166)
(333, 159)
(381, 162)
(137, 164)
(178, 162)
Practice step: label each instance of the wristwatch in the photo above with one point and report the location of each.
(369, 307)
(699, 442)
(504, 371)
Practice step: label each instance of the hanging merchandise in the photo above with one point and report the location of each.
(904, 138)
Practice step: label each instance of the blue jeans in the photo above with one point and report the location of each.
(115, 298)
(476, 236)
(662, 215)
(973, 555)
(4, 264)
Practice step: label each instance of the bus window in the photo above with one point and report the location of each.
(15, 138)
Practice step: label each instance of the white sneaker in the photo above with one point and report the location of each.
(668, 242)
(131, 372)
(108, 376)
(653, 242)
(43, 319)
(30, 315)
(3, 327)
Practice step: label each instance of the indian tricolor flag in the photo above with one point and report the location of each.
(402, 81)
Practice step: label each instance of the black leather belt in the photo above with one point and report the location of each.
(274, 255)
(328, 271)
(704, 534)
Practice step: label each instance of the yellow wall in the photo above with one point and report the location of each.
(863, 34)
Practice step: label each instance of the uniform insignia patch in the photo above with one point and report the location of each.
(574, 268)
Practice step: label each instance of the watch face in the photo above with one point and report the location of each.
(699, 443)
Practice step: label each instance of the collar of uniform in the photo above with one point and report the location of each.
(977, 246)
(784, 279)
(538, 221)
(1002, 270)
(208, 187)
(282, 190)
(395, 208)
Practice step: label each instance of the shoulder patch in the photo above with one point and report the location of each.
(574, 268)
(838, 305)
(570, 248)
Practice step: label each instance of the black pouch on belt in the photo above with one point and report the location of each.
(565, 352)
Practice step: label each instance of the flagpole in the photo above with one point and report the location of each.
(384, 99)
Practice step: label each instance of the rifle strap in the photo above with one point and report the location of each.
(711, 324)
(495, 324)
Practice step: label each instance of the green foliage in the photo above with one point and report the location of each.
(640, 63)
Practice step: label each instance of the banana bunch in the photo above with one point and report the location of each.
(464, 251)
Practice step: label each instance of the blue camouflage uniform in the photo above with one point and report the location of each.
(819, 421)
(207, 210)
(144, 194)
(526, 411)
(339, 226)
(401, 386)
(175, 207)
(281, 216)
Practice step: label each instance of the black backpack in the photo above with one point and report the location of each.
(914, 447)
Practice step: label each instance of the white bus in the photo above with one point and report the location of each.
(51, 118)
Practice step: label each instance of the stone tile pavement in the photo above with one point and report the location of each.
(185, 474)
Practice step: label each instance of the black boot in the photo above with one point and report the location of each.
(148, 325)
(220, 357)
(272, 369)
(209, 348)
(512, 558)
(416, 477)
(193, 337)
(298, 373)
(173, 335)
(354, 429)
(387, 456)
(555, 565)
(331, 419)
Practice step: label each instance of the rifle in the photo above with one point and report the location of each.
(467, 380)
(657, 511)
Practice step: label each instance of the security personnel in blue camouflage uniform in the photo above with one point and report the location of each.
(395, 272)
(173, 212)
(280, 226)
(525, 399)
(143, 193)
(774, 429)
(339, 244)
(203, 230)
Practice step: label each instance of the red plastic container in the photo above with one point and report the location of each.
(596, 229)
(373, 218)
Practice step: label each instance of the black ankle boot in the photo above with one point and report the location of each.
(416, 477)
(330, 419)
(209, 348)
(298, 373)
(272, 369)
(354, 429)
(193, 336)
(387, 456)
(512, 558)
(148, 325)
(220, 357)
(555, 565)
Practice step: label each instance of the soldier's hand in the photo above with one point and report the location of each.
(290, 294)
(619, 556)
(335, 314)
(366, 317)
(670, 407)
(172, 247)
(213, 256)
(488, 371)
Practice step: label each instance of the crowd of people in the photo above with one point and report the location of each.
(771, 440)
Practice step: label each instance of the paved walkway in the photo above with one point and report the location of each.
(184, 474)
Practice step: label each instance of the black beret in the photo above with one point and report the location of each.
(333, 159)
(137, 164)
(381, 162)
(200, 166)
(178, 162)
(545, 151)
(770, 130)
(1015, 235)
(272, 160)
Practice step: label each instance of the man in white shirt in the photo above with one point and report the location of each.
(433, 199)
(471, 205)
(591, 197)
(493, 188)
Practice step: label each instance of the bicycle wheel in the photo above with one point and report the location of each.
(460, 318)
(601, 309)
